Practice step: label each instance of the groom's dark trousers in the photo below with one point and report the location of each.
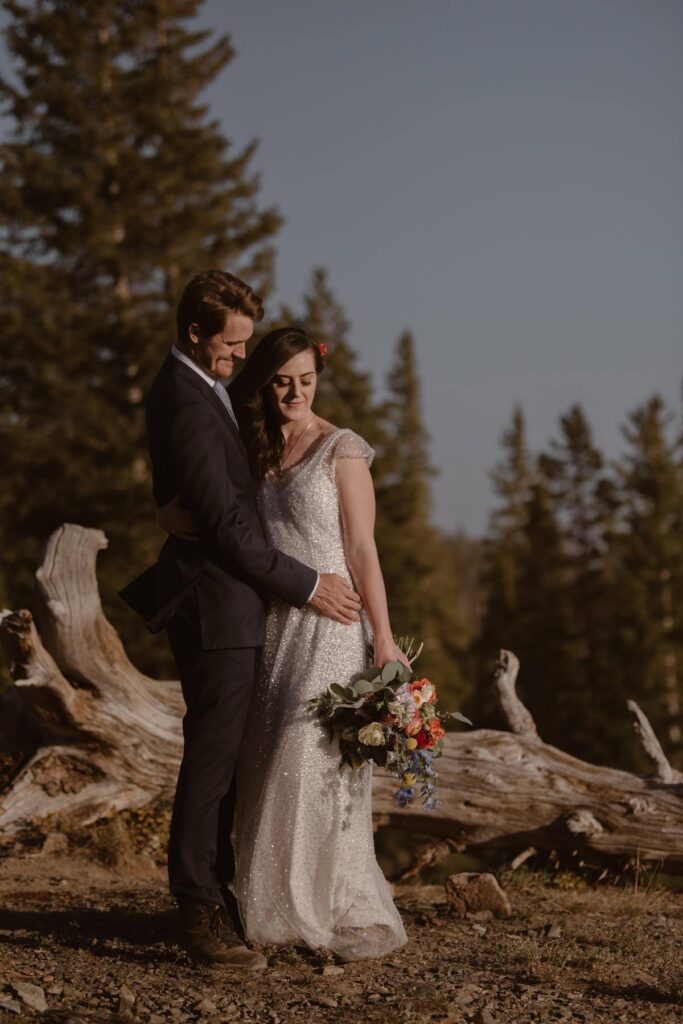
(210, 596)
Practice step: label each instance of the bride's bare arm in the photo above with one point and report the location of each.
(357, 504)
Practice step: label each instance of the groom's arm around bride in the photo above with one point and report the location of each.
(197, 455)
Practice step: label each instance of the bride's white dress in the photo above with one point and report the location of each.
(306, 870)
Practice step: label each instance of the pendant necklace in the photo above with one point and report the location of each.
(283, 461)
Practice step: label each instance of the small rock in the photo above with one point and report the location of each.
(331, 1004)
(330, 971)
(32, 995)
(480, 929)
(7, 1003)
(55, 842)
(56, 989)
(481, 916)
(207, 1006)
(126, 998)
(374, 997)
(553, 931)
(156, 1019)
(466, 995)
(470, 891)
(484, 1017)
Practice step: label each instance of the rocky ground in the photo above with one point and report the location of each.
(80, 943)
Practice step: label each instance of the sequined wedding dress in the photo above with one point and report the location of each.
(306, 870)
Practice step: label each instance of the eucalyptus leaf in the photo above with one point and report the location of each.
(337, 689)
(460, 717)
(390, 671)
(363, 686)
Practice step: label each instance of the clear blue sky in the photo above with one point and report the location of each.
(504, 177)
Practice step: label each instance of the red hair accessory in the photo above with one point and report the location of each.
(322, 347)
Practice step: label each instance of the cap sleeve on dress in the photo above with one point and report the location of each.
(349, 445)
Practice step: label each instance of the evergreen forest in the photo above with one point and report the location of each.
(580, 569)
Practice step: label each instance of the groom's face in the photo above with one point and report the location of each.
(217, 353)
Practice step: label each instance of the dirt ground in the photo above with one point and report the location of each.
(82, 943)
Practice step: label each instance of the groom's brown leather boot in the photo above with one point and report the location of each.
(210, 939)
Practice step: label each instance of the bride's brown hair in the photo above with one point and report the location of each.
(259, 427)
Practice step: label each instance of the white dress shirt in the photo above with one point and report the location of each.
(193, 366)
(212, 381)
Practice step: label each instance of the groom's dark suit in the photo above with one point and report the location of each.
(210, 596)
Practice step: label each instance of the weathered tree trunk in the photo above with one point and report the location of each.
(102, 737)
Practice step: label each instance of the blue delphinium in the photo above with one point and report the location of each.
(404, 795)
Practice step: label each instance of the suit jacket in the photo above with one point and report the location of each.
(198, 454)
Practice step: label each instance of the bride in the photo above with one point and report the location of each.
(306, 870)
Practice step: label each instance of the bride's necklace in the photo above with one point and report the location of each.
(283, 461)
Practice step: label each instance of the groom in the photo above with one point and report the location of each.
(211, 595)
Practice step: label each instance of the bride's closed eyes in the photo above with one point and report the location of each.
(306, 380)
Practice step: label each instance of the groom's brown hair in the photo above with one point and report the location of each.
(209, 297)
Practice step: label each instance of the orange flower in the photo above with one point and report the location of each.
(423, 691)
(436, 730)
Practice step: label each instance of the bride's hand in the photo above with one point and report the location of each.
(177, 521)
(389, 651)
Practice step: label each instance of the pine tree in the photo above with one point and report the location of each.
(419, 565)
(504, 554)
(585, 505)
(543, 622)
(115, 188)
(650, 583)
(511, 479)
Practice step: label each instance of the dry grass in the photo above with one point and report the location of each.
(571, 952)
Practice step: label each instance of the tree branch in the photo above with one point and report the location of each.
(648, 740)
(518, 718)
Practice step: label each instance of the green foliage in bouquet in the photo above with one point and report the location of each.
(387, 716)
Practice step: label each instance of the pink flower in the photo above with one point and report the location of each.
(413, 726)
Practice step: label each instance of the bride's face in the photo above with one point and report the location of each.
(292, 389)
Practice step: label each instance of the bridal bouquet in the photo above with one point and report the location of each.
(388, 717)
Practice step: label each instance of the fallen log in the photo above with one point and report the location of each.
(513, 791)
(99, 736)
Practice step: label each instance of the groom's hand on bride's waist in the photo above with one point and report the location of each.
(334, 598)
